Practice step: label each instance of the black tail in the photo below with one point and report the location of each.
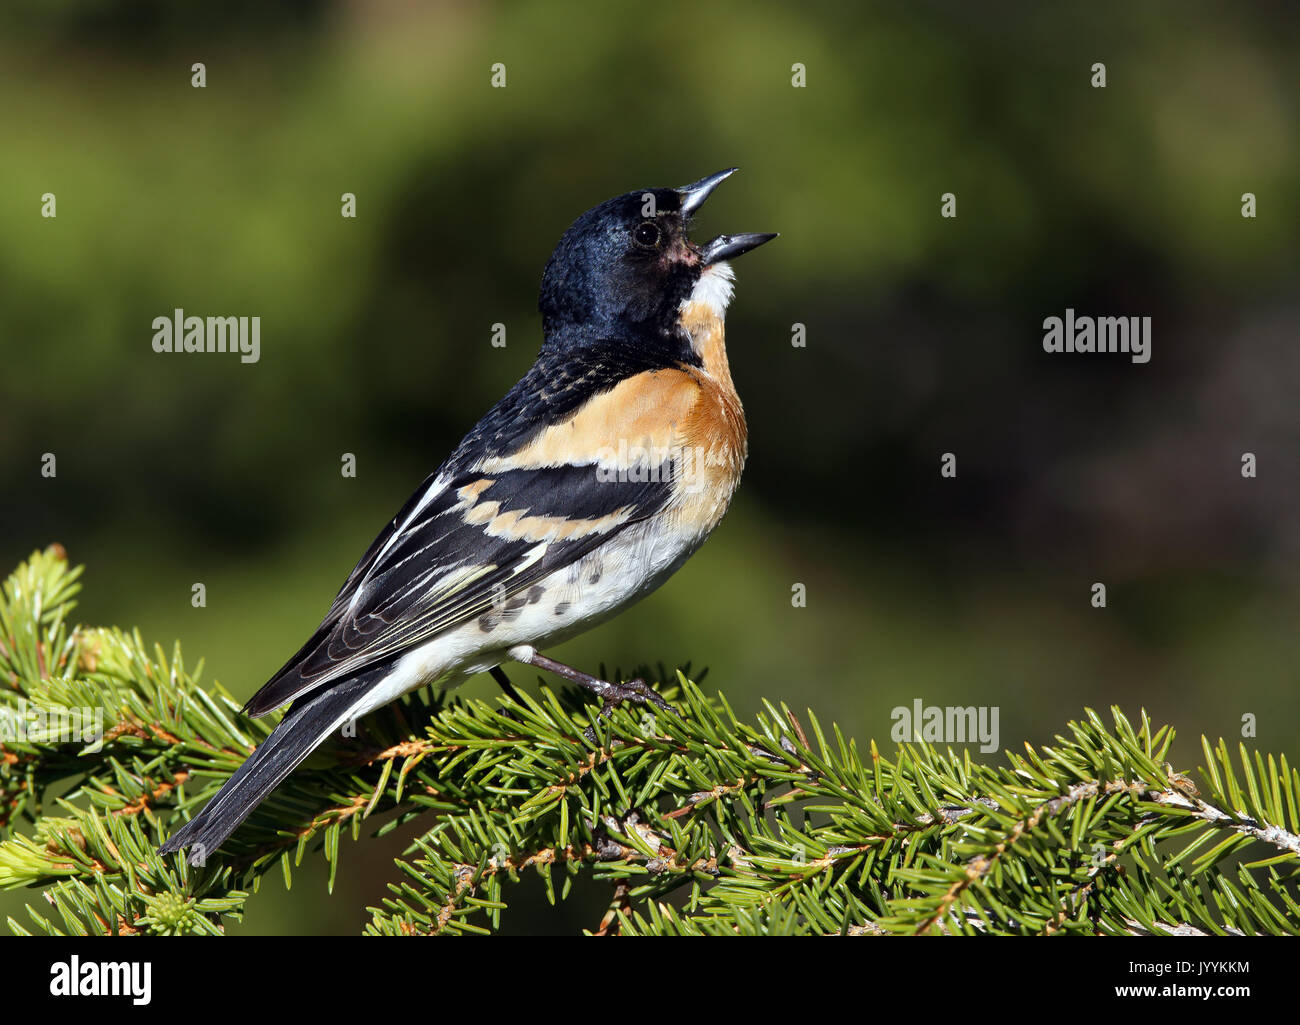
(307, 723)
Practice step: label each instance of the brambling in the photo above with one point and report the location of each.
(581, 491)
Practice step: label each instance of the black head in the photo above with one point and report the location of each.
(623, 268)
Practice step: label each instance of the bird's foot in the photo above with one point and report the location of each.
(612, 695)
(635, 691)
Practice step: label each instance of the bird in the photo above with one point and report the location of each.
(600, 472)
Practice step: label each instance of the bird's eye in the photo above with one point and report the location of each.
(646, 235)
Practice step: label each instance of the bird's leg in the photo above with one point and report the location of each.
(500, 676)
(612, 694)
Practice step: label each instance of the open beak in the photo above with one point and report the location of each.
(724, 247)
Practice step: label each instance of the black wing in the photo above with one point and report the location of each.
(469, 540)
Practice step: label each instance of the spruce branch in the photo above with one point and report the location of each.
(699, 824)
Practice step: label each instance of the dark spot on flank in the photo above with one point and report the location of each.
(513, 608)
(535, 594)
(488, 622)
(562, 608)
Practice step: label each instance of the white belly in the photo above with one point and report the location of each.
(562, 605)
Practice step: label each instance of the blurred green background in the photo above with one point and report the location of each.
(923, 334)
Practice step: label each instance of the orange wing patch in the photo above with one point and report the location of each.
(626, 426)
(470, 493)
(689, 415)
(519, 525)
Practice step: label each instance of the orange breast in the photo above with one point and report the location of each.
(714, 430)
(689, 414)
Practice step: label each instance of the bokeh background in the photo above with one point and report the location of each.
(923, 334)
